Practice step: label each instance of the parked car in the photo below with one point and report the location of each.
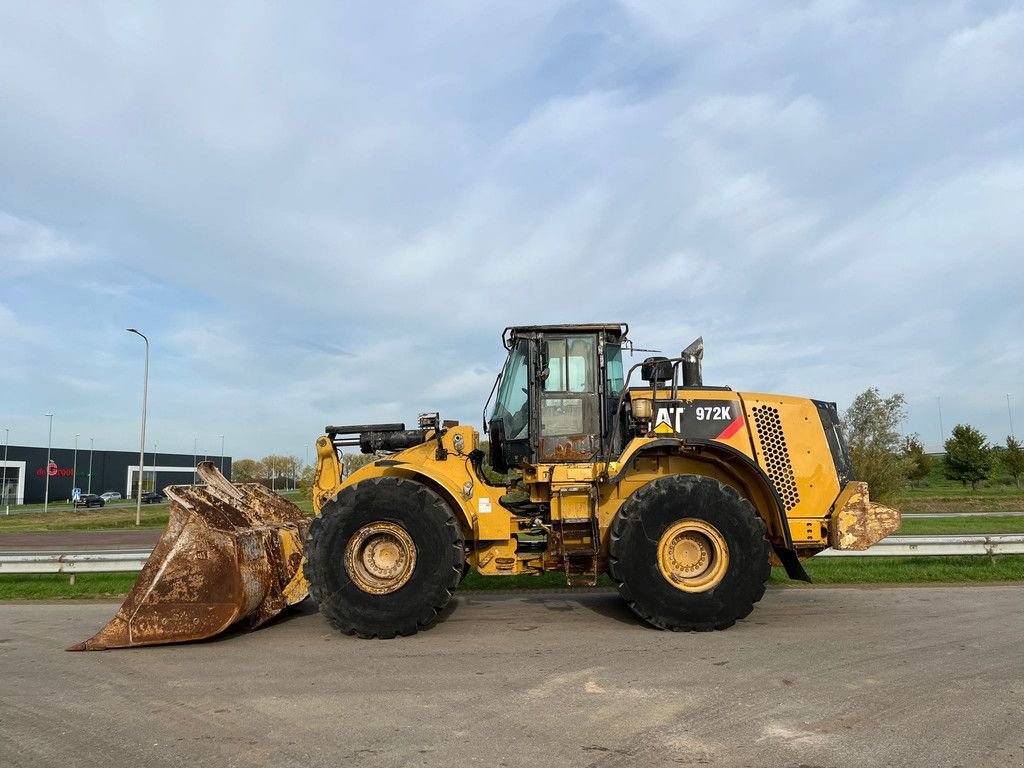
(90, 500)
(153, 497)
(110, 496)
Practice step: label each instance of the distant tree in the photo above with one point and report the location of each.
(354, 461)
(291, 465)
(968, 456)
(870, 425)
(918, 463)
(276, 470)
(246, 471)
(1012, 459)
(306, 481)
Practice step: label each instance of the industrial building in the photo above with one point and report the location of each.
(23, 476)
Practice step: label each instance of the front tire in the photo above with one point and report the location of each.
(688, 553)
(384, 558)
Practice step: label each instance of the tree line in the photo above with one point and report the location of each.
(280, 472)
(889, 462)
(276, 471)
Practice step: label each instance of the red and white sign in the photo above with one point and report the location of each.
(53, 470)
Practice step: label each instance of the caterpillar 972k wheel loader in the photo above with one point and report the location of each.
(684, 494)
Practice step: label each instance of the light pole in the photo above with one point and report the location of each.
(195, 459)
(74, 468)
(7, 442)
(142, 438)
(1009, 410)
(942, 432)
(221, 453)
(89, 489)
(154, 467)
(49, 438)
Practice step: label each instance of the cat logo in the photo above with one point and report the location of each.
(667, 422)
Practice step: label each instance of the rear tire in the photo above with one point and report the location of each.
(688, 553)
(384, 558)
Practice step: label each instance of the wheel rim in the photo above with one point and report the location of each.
(693, 556)
(380, 558)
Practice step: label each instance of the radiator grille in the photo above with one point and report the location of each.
(776, 454)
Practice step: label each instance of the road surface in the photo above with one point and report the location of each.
(78, 541)
(922, 676)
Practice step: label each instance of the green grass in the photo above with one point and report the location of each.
(868, 570)
(51, 586)
(952, 526)
(102, 519)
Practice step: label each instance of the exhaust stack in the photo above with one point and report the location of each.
(692, 356)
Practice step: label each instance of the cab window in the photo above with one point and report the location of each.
(613, 359)
(570, 365)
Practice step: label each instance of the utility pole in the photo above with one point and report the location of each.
(89, 490)
(154, 467)
(942, 431)
(49, 440)
(221, 453)
(195, 460)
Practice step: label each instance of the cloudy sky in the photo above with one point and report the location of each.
(327, 213)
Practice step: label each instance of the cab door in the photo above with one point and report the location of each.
(570, 411)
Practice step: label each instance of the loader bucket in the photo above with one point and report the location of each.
(229, 552)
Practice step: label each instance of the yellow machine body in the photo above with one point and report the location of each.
(777, 456)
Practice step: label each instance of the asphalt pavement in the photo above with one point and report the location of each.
(921, 676)
(78, 541)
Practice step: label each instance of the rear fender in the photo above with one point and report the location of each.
(732, 467)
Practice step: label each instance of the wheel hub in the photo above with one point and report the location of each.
(693, 555)
(380, 558)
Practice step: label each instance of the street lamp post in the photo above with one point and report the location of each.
(942, 431)
(142, 438)
(49, 439)
(154, 466)
(1009, 410)
(195, 459)
(221, 453)
(7, 442)
(74, 468)
(89, 489)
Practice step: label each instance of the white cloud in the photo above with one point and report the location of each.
(28, 246)
(330, 216)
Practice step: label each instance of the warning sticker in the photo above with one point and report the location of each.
(484, 506)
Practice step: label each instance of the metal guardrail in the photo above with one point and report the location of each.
(909, 546)
(112, 561)
(73, 562)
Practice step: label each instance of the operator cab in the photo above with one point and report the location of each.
(557, 394)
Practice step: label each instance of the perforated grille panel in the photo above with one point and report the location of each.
(776, 454)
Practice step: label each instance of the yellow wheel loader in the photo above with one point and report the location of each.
(684, 494)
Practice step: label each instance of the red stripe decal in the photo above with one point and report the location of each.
(732, 429)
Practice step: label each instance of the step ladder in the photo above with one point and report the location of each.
(579, 538)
